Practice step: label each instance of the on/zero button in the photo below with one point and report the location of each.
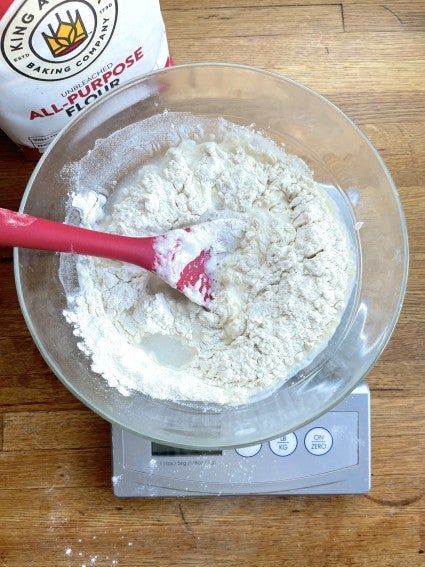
(318, 441)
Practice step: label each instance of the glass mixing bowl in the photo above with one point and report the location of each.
(342, 159)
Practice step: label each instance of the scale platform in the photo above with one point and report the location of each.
(328, 456)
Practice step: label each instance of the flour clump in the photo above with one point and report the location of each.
(279, 297)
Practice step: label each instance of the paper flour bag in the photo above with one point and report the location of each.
(59, 56)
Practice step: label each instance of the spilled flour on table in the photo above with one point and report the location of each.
(279, 297)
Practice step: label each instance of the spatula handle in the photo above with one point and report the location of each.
(18, 229)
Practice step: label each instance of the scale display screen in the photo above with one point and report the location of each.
(158, 450)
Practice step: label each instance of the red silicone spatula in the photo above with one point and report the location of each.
(185, 258)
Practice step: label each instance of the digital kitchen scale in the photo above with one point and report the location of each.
(328, 456)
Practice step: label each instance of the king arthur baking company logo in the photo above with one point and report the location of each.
(68, 36)
(51, 40)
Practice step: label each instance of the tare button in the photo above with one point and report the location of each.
(318, 441)
(250, 451)
(284, 446)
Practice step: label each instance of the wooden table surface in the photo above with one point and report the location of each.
(56, 503)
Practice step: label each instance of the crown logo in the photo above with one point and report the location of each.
(68, 35)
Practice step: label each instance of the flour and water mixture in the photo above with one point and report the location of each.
(279, 295)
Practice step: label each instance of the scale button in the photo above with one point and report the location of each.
(248, 451)
(318, 441)
(284, 446)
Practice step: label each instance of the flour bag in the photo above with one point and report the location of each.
(59, 56)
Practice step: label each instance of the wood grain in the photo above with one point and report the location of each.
(56, 503)
(230, 21)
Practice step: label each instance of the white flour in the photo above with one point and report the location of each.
(280, 295)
